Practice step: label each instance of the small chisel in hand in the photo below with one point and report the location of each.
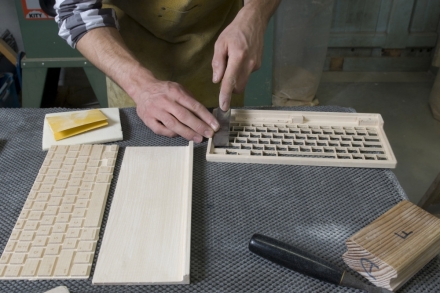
(303, 262)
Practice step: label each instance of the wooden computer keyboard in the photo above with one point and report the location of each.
(56, 233)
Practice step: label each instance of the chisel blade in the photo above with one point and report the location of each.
(221, 137)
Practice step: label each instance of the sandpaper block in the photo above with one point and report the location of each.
(395, 246)
(65, 125)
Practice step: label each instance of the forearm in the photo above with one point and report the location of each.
(105, 48)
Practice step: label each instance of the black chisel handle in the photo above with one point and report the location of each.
(294, 259)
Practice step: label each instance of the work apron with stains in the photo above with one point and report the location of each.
(175, 40)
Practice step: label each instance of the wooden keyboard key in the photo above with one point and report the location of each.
(56, 238)
(108, 162)
(59, 228)
(12, 271)
(55, 165)
(75, 148)
(30, 267)
(40, 241)
(58, 193)
(79, 167)
(85, 150)
(35, 216)
(22, 247)
(44, 230)
(51, 210)
(62, 149)
(58, 158)
(97, 203)
(4, 259)
(80, 270)
(61, 184)
(62, 218)
(49, 180)
(76, 223)
(36, 186)
(72, 191)
(46, 266)
(36, 252)
(27, 235)
(66, 208)
(31, 226)
(79, 213)
(91, 171)
(43, 170)
(67, 169)
(72, 155)
(52, 172)
(75, 182)
(10, 246)
(69, 243)
(69, 200)
(77, 174)
(2, 270)
(18, 258)
(86, 185)
(39, 206)
(45, 188)
(48, 220)
(52, 249)
(105, 169)
(93, 163)
(82, 203)
(54, 201)
(20, 223)
(24, 214)
(28, 204)
(42, 197)
(73, 233)
(104, 178)
(84, 194)
(82, 160)
(39, 178)
(86, 246)
(64, 176)
(83, 257)
(90, 234)
(32, 194)
(63, 263)
(14, 235)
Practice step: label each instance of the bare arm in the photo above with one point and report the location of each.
(239, 48)
(166, 107)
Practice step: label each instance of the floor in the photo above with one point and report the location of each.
(402, 100)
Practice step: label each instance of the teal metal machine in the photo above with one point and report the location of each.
(44, 50)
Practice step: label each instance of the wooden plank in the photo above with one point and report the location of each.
(371, 15)
(7, 51)
(147, 236)
(394, 247)
(382, 64)
(384, 16)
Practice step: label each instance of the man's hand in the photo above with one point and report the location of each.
(239, 48)
(168, 109)
(163, 106)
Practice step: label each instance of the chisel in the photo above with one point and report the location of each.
(303, 262)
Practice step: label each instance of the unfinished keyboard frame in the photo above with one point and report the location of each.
(56, 233)
(305, 138)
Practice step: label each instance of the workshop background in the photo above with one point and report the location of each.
(375, 56)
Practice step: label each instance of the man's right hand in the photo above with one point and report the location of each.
(169, 110)
(164, 106)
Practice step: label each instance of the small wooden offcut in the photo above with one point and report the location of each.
(394, 247)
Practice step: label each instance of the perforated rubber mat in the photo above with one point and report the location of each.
(314, 208)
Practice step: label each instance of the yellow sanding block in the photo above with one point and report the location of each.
(67, 125)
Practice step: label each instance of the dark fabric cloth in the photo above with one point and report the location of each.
(313, 208)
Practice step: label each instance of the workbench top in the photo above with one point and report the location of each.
(314, 208)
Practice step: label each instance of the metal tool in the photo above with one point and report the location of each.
(303, 262)
(221, 137)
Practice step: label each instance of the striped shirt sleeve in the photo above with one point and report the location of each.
(76, 17)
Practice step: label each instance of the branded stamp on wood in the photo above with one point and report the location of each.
(394, 247)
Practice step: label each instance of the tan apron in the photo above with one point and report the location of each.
(175, 40)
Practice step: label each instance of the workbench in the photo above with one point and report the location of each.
(314, 208)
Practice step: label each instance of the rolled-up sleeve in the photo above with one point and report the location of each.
(76, 17)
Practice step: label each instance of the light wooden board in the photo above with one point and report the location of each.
(305, 138)
(394, 247)
(147, 236)
(56, 233)
(111, 132)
